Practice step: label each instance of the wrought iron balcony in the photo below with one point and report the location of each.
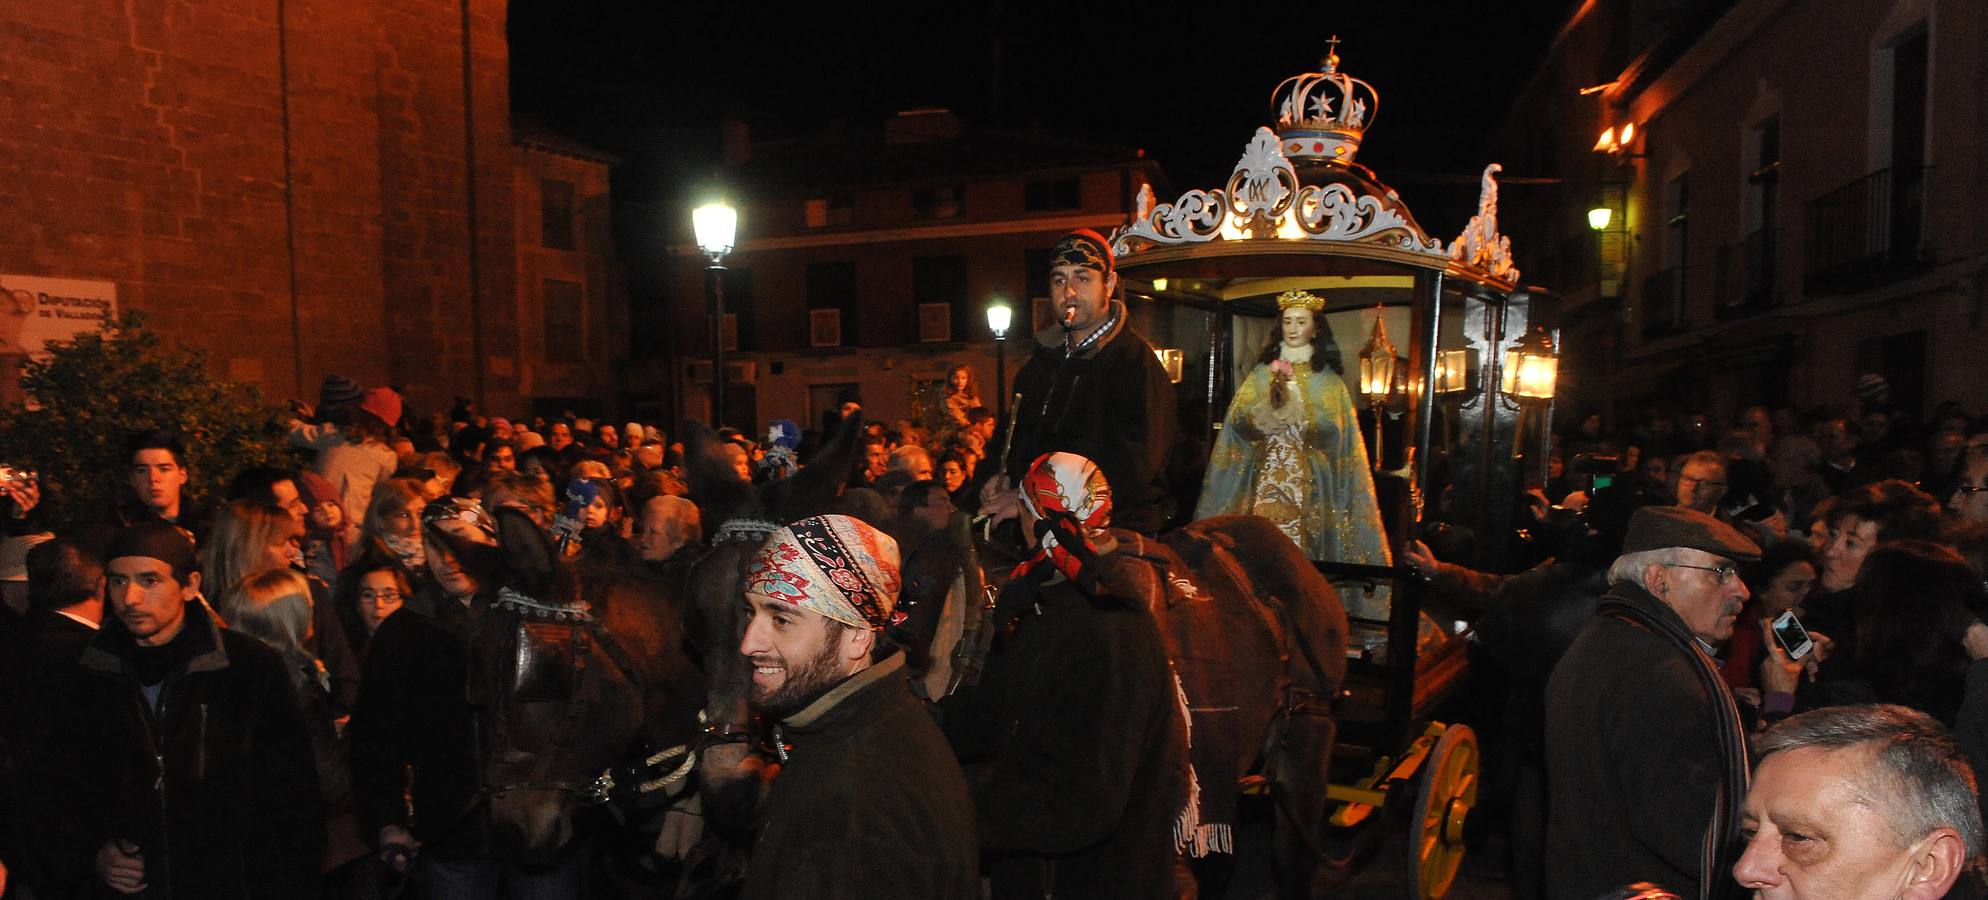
(1663, 303)
(1746, 274)
(1867, 232)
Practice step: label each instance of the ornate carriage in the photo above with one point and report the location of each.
(1452, 422)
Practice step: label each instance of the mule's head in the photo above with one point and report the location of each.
(739, 516)
(557, 706)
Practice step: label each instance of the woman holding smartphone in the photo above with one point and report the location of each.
(1779, 582)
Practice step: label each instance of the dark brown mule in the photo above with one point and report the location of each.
(1258, 638)
(574, 668)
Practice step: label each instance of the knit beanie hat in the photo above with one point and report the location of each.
(337, 391)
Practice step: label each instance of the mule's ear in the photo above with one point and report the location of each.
(703, 467)
(816, 484)
(527, 551)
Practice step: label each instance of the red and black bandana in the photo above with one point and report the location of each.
(1071, 502)
(1085, 248)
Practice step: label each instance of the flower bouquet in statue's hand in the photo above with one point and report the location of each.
(1279, 410)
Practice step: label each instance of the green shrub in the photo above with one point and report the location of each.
(90, 394)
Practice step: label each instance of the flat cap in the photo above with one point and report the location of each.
(1660, 527)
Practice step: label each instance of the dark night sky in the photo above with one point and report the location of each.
(650, 81)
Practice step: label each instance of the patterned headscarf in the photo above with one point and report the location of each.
(462, 519)
(1083, 247)
(1071, 502)
(833, 565)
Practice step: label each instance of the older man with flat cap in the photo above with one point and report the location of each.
(1093, 388)
(1645, 757)
(869, 801)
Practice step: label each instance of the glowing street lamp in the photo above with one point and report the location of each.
(999, 317)
(1599, 217)
(716, 225)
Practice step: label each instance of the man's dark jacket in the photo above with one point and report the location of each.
(1636, 766)
(57, 639)
(217, 787)
(413, 712)
(870, 802)
(1112, 403)
(1075, 748)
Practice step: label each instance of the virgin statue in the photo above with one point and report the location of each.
(1291, 449)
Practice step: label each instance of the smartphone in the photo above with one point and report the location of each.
(1793, 637)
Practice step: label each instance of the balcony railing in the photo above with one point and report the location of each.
(1663, 302)
(1868, 231)
(1746, 274)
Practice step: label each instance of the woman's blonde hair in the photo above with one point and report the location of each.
(275, 608)
(243, 530)
(389, 497)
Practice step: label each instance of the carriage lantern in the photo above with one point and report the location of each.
(1377, 364)
(1531, 368)
(1377, 376)
(1453, 371)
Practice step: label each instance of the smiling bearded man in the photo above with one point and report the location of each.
(869, 801)
(1645, 760)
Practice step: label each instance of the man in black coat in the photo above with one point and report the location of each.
(1645, 758)
(1094, 388)
(869, 801)
(1073, 740)
(177, 758)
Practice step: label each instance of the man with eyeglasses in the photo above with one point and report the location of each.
(1701, 482)
(1970, 497)
(1645, 756)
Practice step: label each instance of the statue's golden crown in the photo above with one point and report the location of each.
(1296, 299)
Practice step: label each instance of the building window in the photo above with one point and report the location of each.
(1664, 291)
(945, 201)
(564, 304)
(1758, 249)
(823, 212)
(938, 288)
(555, 214)
(1053, 194)
(832, 305)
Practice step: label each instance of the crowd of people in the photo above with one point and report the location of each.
(269, 696)
(1701, 583)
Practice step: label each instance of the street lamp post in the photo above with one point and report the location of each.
(998, 318)
(716, 225)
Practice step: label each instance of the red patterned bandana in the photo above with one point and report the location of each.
(1072, 503)
(833, 565)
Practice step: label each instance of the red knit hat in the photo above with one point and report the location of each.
(384, 403)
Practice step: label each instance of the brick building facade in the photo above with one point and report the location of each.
(306, 186)
(1796, 203)
(865, 264)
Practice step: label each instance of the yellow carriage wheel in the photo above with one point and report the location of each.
(1445, 792)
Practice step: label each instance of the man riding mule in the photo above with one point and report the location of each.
(1257, 638)
(1074, 738)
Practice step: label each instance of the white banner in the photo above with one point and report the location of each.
(36, 311)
